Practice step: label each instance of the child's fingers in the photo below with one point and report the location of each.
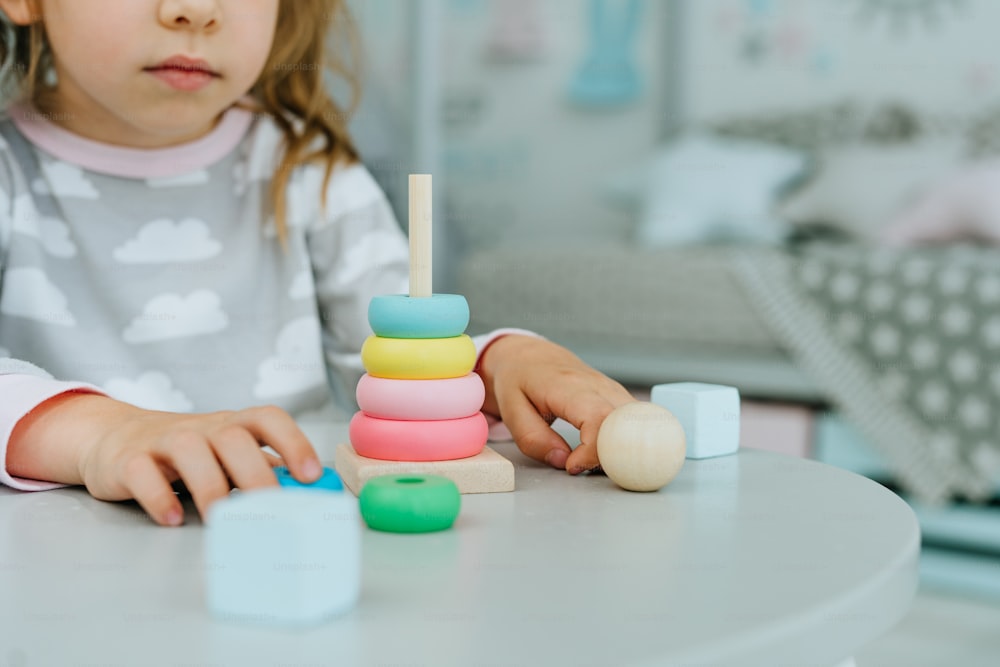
(587, 410)
(240, 455)
(275, 427)
(583, 458)
(533, 434)
(150, 488)
(191, 456)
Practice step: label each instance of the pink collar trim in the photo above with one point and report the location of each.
(133, 162)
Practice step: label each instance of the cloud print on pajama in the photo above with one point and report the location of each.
(68, 179)
(151, 391)
(52, 233)
(163, 241)
(171, 316)
(351, 190)
(302, 207)
(199, 177)
(28, 293)
(298, 364)
(364, 255)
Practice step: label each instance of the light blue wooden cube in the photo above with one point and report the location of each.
(283, 556)
(709, 413)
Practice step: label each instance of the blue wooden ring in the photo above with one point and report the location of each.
(401, 316)
(328, 481)
(409, 503)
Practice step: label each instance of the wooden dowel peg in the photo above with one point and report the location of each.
(421, 246)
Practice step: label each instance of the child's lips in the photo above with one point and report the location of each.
(183, 73)
(181, 79)
(186, 63)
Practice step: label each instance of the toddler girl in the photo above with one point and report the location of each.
(188, 245)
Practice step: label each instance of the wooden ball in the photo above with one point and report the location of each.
(641, 446)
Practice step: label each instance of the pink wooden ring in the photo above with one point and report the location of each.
(398, 440)
(421, 400)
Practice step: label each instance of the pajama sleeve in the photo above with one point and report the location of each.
(23, 386)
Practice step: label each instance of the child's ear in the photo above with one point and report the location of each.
(21, 12)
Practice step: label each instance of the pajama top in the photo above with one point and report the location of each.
(155, 276)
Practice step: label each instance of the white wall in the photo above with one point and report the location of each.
(525, 165)
(754, 55)
(531, 166)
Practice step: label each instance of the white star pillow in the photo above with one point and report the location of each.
(709, 189)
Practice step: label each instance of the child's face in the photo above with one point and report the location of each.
(113, 83)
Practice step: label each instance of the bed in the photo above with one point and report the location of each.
(643, 317)
(776, 323)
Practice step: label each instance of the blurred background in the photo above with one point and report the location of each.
(800, 198)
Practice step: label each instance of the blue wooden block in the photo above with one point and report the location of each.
(286, 557)
(709, 413)
(328, 481)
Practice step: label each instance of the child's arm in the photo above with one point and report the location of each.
(23, 388)
(120, 452)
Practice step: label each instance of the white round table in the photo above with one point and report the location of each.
(751, 559)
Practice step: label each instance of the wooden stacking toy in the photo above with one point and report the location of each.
(420, 400)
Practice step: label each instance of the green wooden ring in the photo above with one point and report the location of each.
(409, 503)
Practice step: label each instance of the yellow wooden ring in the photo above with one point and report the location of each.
(418, 358)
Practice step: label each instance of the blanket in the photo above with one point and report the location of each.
(905, 343)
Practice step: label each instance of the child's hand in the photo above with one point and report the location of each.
(120, 452)
(531, 381)
(211, 453)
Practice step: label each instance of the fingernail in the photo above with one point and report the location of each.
(312, 469)
(174, 517)
(557, 458)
